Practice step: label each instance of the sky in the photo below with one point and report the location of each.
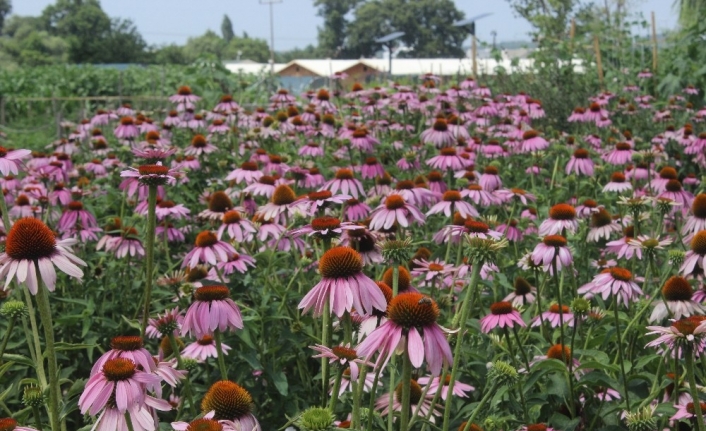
(163, 22)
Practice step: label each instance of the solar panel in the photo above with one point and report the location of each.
(390, 37)
(468, 21)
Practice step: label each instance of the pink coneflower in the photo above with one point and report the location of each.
(394, 209)
(524, 293)
(248, 172)
(119, 375)
(311, 149)
(697, 220)
(363, 140)
(126, 129)
(127, 243)
(561, 217)
(531, 141)
(479, 196)
(74, 214)
(541, 426)
(687, 412)
(150, 174)
(325, 227)
(211, 310)
(439, 134)
(23, 207)
(552, 249)
(602, 226)
(346, 183)
(184, 96)
(578, 115)
(10, 160)
(219, 203)
(460, 389)
(510, 231)
(237, 227)
(166, 208)
(666, 174)
(408, 313)
(618, 282)
(448, 159)
(343, 285)
(430, 270)
(343, 355)
(231, 405)
(688, 331)
(416, 401)
(673, 190)
(126, 347)
(164, 324)
(507, 195)
(555, 316)
(207, 249)
(372, 168)
(677, 294)
(203, 348)
(502, 315)
(490, 180)
(695, 259)
(236, 262)
(264, 186)
(451, 202)
(282, 204)
(621, 155)
(355, 210)
(199, 146)
(321, 200)
(617, 183)
(30, 247)
(580, 163)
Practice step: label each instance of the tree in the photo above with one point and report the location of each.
(426, 24)
(123, 43)
(690, 11)
(332, 35)
(26, 43)
(208, 43)
(5, 9)
(169, 54)
(247, 49)
(227, 29)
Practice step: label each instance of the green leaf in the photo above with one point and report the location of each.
(280, 381)
(18, 359)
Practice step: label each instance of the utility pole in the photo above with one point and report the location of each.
(272, 32)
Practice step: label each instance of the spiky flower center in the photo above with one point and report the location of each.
(490, 170)
(668, 173)
(601, 218)
(344, 174)
(554, 308)
(126, 343)
(249, 166)
(617, 177)
(698, 243)
(677, 289)
(228, 400)
(166, 204)
(440, 125)
(451, 196)
(673, 186)
(530, 134)
(325, 223)
(153, 170)
(411, 309)
(500, 308)
(581, 153)
(403, 279)
(415, 392)
(394, 202)
(184, 90)
(119, 369)
(562, 212)
(449, 151)
(204, 425)
(206, 239)
(219, 202)
(690, 408)
(623, 146)
(267, 180)
(343, 352)
(621, 274)
(435, 267)
(560, 352)
(404, 185)
(232, 217)
(30, 239)
(522, 286)
(126, 121)
(207, 340)
(211, 293)
(323, 95)
(75, 206)
(474, 226)
(360, 132)
(688, 325)
(340, 262)
(283, 195)
(554, 241)
(537, 427)
(320, 195)
(199, 141)
(435, 176)
(699, 206)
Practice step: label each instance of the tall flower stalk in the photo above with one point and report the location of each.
(149, 251)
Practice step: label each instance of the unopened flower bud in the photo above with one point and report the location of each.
(13, 309)
(316, 419)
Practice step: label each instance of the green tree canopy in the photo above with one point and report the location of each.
(227, 29)
(5, 9)
(332, 35)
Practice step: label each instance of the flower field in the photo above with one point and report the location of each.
(437, 256)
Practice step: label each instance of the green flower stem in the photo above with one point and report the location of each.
(698, 414)
(522, 350)
(371, 404)
(129, 422)
(38, 359)
(480, 406)
(221, 355)
(37, 417)
(514, 360)
(358, 397)
(434, 400)
(187, 382)
(6, 338)
(406, 387)
(150, 234)
(325, 336)
(393, 360)
(50, 352)
(336, 388)
(620, 353)
(465, 311)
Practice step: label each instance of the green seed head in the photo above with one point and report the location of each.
(503, 373)
(33, 397)
(316, 419)
(13, 309)
(580, 306)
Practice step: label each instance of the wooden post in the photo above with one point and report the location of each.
(57, 116)
(654, 44)
(475, 56)
(2, 110)
(572, 34)
(599, 64)
(120, 88)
